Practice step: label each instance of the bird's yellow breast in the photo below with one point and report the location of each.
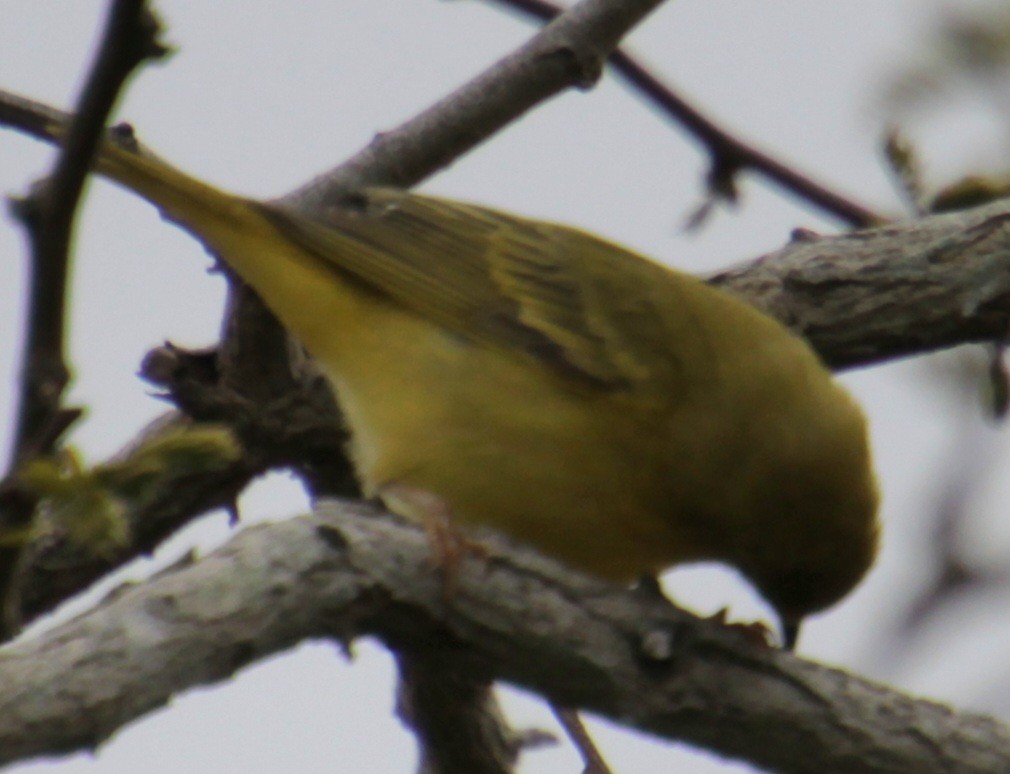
(502, 441)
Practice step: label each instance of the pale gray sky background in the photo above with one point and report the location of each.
(263, 95)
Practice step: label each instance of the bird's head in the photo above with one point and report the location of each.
(815, 569)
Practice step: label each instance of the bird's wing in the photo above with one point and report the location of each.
(547, 290)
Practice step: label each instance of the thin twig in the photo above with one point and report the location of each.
(953, 572)
(729, 155)
(577, 732)
(48, 214)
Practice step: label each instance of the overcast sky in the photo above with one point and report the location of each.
(261, 96)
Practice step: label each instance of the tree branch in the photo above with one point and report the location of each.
(348, 571)
(889, 292)
(47, 213)
(569, 52)
(728, 154)
(456, 714)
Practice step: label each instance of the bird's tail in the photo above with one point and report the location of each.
(184, 199)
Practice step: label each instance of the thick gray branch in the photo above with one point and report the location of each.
(887, 292)
(345, 572)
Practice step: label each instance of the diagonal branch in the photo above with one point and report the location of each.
(568, 53)
(729, 155)
(348, 571)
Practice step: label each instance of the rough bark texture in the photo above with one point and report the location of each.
(347, 571)
(892, 291)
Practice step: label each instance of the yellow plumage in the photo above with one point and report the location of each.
(532, 378)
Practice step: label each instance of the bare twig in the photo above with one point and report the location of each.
(592, 759)
(729, 155)
(129, 39)
(936, 282)
(568, 53)
(953, 573)
(48, 214)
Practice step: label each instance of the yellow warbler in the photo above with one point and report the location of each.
(533, 378)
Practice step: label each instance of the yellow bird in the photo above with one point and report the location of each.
(618, 415)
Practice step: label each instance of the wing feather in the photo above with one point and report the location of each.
(498, 279)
